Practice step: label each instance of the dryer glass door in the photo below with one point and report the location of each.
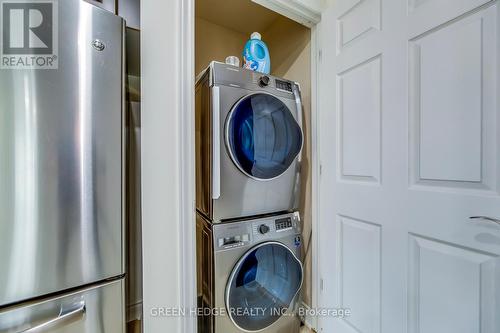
(262, 286)
(262, 135)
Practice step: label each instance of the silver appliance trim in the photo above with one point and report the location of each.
(227, 75)
(124, 145)
(71, 316)
(94, 309)
(298, 102)
(216, 142)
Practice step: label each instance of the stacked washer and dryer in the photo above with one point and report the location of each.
(248, 150)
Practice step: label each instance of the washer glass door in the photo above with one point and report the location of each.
(262, 286)
(262, 135)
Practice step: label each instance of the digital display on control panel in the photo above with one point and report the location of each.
(283, 224)
(283, 85)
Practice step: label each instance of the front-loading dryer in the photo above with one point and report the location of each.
(248, 143)
(249, 275)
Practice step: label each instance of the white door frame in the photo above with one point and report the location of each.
(168, 178)
(312, 322)
(167, 145)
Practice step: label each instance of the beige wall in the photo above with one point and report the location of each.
(214, 42)
(290, 49)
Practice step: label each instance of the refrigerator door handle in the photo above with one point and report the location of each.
(63, 319)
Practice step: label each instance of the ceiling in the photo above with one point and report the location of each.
(239, 15)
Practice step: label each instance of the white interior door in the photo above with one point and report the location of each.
(410, 149)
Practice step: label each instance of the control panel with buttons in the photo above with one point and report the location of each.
(233, 235)
(284, 85)
(283, 224)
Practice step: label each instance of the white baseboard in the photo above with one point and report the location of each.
(134, 312)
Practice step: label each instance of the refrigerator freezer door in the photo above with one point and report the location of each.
(61, 138)
(96, 310)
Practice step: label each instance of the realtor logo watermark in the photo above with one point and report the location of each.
(29, 36)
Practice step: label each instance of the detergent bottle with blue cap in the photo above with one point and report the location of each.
(256, 55)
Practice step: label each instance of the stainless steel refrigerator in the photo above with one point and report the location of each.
(62, 172)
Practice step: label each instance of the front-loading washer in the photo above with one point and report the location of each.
(248, 143)
(249, 275)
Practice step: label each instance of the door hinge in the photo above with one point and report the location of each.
(320, 55)
(321, 285)
(321, 169)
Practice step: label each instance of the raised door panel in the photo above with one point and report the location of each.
(451, 288)
(359, 112)
(357, 19)
(453, 105)
(424, 15)
(359, 279)
(450, 110)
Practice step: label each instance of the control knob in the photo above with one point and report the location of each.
(264, 81)
(263, 229)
